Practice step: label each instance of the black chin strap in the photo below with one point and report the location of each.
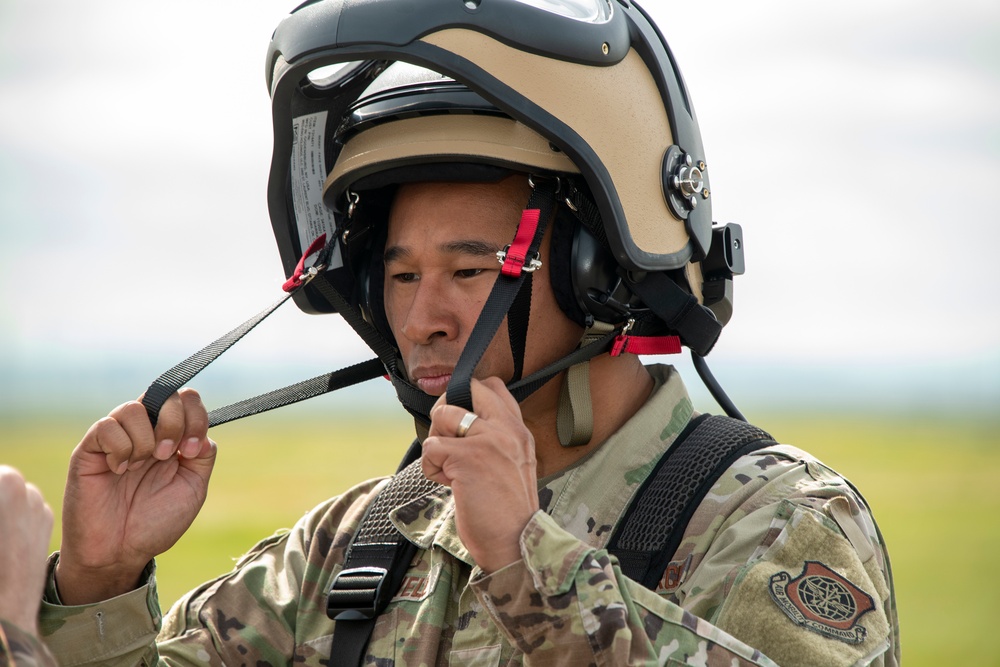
(172, 380)
(510, 297)
(519, 261)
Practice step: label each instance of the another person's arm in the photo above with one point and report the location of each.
(25, 528)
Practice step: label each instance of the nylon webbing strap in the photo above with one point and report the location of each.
(501, 297)
(654, 523)
(695, 324)
(299, 391)
(575, 417)
(411, 396)
(178, 376)
(517, 326)
(369, 334)
(169, 382)
(526, 386)
(376, 562)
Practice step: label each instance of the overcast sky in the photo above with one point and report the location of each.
(857, 143)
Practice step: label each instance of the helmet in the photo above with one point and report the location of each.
(368, 94)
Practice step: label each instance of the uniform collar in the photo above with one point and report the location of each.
(589, 497)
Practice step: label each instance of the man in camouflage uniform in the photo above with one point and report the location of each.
(780, 564)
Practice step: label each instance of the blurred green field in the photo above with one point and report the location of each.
(931, 482)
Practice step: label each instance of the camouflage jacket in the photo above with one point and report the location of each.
(20, 649)
(782, 559)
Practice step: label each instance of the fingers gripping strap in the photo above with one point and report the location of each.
(164, 386)
(175, 378)
(501, 297)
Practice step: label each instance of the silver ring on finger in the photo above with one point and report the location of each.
(465, 424)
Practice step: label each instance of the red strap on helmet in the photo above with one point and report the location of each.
(645, 345)
(295, 281)
(517, 252)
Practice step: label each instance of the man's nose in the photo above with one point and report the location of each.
(431, 315)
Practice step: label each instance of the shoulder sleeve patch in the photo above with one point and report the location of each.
(821, 600)
(809, 600)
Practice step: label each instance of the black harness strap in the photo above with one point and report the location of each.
(517, 326)
(499, 302)
(654, 523)
(376, 562)
(178, 376)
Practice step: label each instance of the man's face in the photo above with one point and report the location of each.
(440, 266)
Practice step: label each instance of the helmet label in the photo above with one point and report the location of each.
(308, 174)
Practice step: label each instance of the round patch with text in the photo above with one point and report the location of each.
(823, 601)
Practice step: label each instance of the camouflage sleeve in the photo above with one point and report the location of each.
(248, 616)
(567, 603)
(20, 649)
(117, 632)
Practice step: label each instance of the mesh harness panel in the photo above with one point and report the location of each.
(652, 527)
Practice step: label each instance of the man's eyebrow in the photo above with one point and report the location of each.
(460, 247)
(471, 247)
(393, 253)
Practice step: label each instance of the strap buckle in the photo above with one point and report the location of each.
(625, 342)
(303, 275)
(523, 263)
(356, 593)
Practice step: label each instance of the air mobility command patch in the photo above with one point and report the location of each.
(821, 600)
(808, 599)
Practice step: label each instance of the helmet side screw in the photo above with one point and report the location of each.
(685, 182)
(605, 48)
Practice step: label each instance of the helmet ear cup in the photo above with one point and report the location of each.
(585, 275)
(595, 278)
(369, 276)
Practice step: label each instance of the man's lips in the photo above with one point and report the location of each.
(433, 381)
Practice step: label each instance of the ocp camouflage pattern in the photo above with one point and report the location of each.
(20, 649)
(566, 602)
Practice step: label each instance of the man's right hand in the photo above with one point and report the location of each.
(131, 492)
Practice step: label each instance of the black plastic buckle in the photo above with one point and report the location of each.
(356, 594)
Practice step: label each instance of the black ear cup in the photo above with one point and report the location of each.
(370, 274)
(585, 276)
(596, 283)
(363, 238)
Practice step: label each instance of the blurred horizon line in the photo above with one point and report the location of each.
(944, 387)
